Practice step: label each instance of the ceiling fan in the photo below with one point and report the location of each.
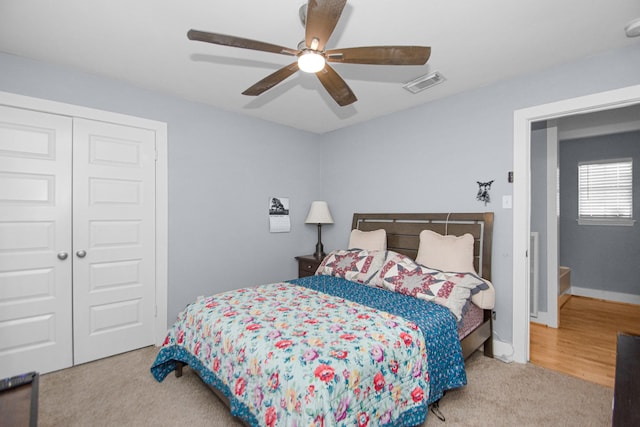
(320, 20)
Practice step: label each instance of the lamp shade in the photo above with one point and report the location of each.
(319, 213)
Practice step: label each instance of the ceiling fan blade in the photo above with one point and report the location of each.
(233, 41)
(271, 80)
(382, 55)
(321, 20)
(336, 86)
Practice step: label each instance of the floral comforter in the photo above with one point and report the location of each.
(318, 351)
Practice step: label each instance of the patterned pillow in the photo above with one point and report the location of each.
(403, 275)
(452, 290)
(356, 265)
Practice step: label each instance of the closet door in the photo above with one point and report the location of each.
(113, 239)
(35, 242)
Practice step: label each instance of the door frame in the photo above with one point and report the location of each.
(522, 120)
(162, 227)
(550, 317)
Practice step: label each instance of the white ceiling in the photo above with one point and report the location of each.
(474, 44)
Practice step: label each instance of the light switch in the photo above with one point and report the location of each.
(506, 202)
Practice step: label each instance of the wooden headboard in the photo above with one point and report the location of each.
(403, 231)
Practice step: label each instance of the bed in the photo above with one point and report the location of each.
(345, 346)
(403, 236)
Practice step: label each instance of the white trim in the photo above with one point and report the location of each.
(162, 232)
(521, 233)
(625, 222)
(60, 108)
(544, 318)
(522, 193)
(534, 280)
(502, 351)
(552, 225)
(160, 129)
(605, 295)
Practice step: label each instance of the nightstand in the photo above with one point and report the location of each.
(307, 265)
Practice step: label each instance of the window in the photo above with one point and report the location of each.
(605, 192)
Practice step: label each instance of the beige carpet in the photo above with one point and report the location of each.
(120, 391)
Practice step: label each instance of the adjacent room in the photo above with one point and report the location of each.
(159, 159)
(583, 193)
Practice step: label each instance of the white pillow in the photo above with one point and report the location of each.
(375, 240)
(453, 253)
(446, 253)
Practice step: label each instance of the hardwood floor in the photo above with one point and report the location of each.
(585, 343)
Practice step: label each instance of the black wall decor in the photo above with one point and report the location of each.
(483, 191)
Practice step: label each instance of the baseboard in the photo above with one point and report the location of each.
(502, 351)
(543, 318)
(605, 295)
(562, 300)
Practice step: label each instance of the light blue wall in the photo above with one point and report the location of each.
(223, 168)
(429, 158)
(601, 257)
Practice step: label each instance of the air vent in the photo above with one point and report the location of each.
(424, 82)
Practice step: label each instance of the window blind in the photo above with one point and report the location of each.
(605, 189)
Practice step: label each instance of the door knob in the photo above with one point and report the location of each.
(81, 254)
(62, 255)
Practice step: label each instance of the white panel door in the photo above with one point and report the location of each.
(113, 239)
(35, 235)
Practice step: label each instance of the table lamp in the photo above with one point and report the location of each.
(319, 214)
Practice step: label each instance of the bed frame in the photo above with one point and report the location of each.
(403, 236)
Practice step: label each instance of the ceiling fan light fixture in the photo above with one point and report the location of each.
(320, 18)
(311, 62)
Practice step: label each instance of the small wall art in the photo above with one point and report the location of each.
(483, 192)
(279, 221)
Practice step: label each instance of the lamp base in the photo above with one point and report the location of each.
(319, 253)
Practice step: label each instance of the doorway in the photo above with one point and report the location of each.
(603, 297)
(559, 244)
(523, 120)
